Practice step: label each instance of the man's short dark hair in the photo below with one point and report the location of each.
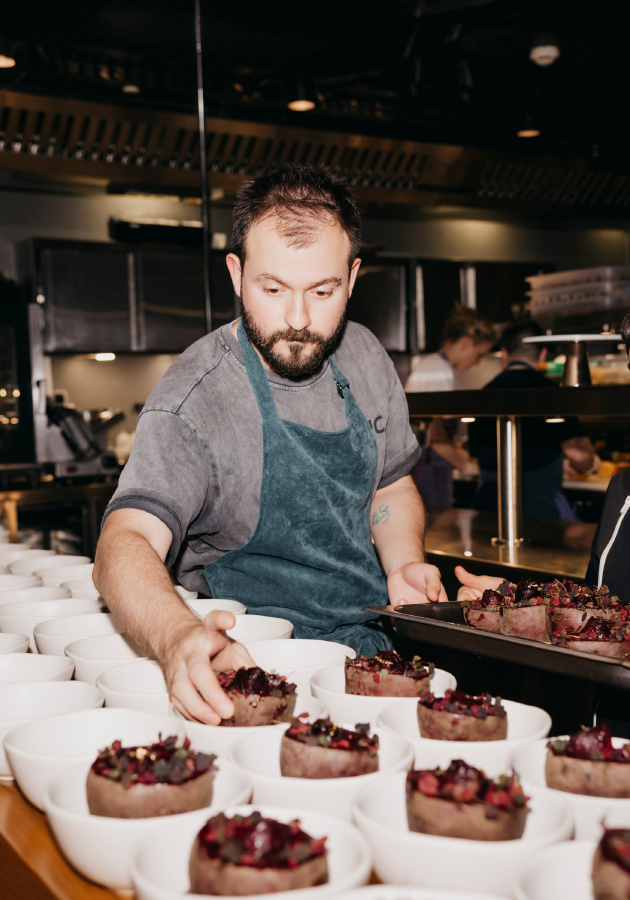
(624, 331)
(299, 198)
(512, 338)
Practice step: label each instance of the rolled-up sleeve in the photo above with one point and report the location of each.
(168, 474)
(402, 448)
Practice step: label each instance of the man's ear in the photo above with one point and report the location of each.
(236, 271)
(504, 357)
(354, 269)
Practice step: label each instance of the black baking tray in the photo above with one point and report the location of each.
(443, 624)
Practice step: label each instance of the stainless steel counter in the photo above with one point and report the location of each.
(552, 547)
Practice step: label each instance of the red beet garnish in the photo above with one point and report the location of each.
(391, 662)
(259, 842)
(256, 681)
(615, 846)
(462, 783)
(591, 743)
(160, 763)
(460, 704)
(324, 733)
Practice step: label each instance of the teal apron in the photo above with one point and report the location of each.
(311, 558)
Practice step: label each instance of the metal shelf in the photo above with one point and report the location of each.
(601, 400)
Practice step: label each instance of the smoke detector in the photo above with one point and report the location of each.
(545, 50)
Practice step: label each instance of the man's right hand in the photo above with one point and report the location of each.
(475, 585)
(190, 661)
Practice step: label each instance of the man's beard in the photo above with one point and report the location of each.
(299, 363)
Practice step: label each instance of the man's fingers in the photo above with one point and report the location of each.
(219, 620)
(186, 698)
(477, 582)
(205, 681)
(433, 583)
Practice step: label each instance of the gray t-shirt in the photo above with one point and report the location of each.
(196, 461)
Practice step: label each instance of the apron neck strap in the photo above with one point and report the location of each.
(340, 378)
(257, 375)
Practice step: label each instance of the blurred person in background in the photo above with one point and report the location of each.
(467, 339)
(544, 444)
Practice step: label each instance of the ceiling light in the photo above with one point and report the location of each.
(104, 357)
(6, 62)
(302, 97)
(545, 50)
(528, 128)
(130, 89)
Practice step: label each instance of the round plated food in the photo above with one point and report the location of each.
(483, 612)
(598, 637)
(462, 802)
(570, 605)
(524, 613)
(325, 750)
(611, 865)
(259, 698)
(388, 674)
(462, 717)
(588, 763)
(159, 779)
(247, 855)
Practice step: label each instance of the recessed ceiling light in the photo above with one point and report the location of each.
(6, 62)
(545, 50)
(104, 357)
(529, 128)
(302, 97)
(130, 89)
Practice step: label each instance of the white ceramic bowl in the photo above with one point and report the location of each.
(21, 553)
(10, 583)
(258, 754)
(392, 892)
(27, 616)
(300, 659)
(24, 701)
(186, 594)
(34, 667)
(588, 812)
(525, 724)
(560, 871)
(54, 636)
(159, 870)
(56, 576)
(135, 685)
(329, 686)
(13, 643)
(405, 857)
(218, 739)
(41, 749)
(260, 628)
(101, 848)
(94, 655)
(82, 587)
(202, 607)
(54, 561)
(34, 593)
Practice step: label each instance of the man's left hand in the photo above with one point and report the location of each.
(415, 582)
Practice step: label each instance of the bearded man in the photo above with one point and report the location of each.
(271, 463)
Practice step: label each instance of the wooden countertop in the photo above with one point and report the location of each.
(31, 866)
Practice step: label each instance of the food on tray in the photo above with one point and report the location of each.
(325, 750)
(388, 675)
(159, 779)
(483, 612)
(259, 698)
(596, 636)
(587, 763)
(570, 605)
(243, 855)
(611, 865)
(462, 802)
(462, 717)
(524, 613)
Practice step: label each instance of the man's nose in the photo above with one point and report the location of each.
(297, 316)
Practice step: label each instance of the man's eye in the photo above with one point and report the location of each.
(272, 290)
(323, 293)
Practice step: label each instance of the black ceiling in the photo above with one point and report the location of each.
(452, 71)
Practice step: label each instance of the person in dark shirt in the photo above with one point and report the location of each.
(543, 444)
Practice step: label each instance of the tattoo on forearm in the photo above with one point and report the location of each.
(381, 515)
